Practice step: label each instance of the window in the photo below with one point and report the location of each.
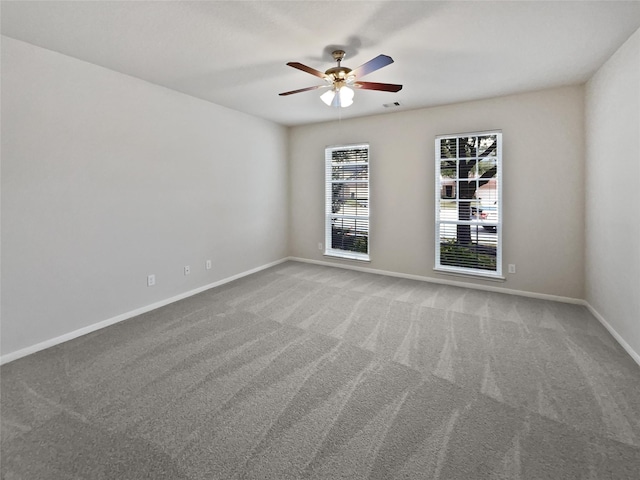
(469, 203)
(347, 202)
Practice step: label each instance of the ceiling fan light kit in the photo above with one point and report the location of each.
(341, 97)
(339, 79)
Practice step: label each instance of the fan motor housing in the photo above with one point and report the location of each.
(338, 72)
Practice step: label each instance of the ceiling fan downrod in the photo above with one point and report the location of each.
(339, 72)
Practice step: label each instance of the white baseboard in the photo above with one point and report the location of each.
(614, 334)
(454, 283)
(9, 357)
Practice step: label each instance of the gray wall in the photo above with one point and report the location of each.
(107, 178)
(543, 192)
(613, 192)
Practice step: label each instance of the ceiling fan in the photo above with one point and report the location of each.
(340, 78)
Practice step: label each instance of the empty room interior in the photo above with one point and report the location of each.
(320, 240)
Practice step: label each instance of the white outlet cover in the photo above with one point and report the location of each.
(151, 280)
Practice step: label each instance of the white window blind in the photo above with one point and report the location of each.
(347, 201)
(469, 203)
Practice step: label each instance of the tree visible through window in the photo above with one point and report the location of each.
(468, 203)
(347, 201)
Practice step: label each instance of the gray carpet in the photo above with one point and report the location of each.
(304, 371)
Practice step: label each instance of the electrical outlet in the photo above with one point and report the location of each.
(151, 280)
(319, 246)
(187, 270)
(208, 265)
(512, 268)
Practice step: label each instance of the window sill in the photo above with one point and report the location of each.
(359, 257)
(468, 274)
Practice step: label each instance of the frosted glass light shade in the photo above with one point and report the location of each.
(327, 97)
(342, 97)
(346, 96)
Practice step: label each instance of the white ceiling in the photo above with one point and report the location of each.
(233, 53)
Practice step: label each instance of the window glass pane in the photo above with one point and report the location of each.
(466, 168)
(476, 248)
(487, 167)
(350, 172)
(448, 211)
(448, 189)
(350, 155)
(448, 147)
(487, 142)
(489, 214)
(449, 169)
(447, 232)
(466, 189)
(356, 199)
(477, 213)
(467, 147)
(464, 210)
(337, 197)
(350, 234)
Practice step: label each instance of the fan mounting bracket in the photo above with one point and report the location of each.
(338, 55)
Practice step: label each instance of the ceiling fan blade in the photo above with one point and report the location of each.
(385, 87)
(372, 65)
(303, 90)
(304, 68)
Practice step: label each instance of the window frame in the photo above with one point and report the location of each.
(439, 184)
(329, 182)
